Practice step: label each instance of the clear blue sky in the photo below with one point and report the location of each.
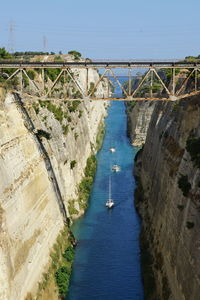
(103, 29)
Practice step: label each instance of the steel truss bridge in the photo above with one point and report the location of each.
(169, 90)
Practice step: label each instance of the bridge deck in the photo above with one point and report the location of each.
(100, 64)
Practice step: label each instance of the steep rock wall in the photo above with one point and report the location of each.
(37, 179)
(139, 116)
(168, 199)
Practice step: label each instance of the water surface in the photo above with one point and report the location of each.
(107, 259)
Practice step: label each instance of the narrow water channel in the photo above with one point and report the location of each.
(107, 259)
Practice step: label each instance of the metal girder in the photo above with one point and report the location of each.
(122, 88)
(141, 83)
(168, 92)
(185, 82)
(129, 82)
(13, 75)
(33, 83)
(54, 83)
(97, 83)
(75, 82)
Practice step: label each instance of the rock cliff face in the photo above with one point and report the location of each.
(139, 116)
(43, 153)
(168, 199)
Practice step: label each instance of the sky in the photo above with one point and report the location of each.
(106, 29)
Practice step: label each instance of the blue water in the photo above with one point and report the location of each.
(107, 259)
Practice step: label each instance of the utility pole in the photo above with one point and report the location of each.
(44, 43)
(11, 37)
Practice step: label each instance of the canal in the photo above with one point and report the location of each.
(107, 258)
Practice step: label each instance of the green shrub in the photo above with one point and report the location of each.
(25, 80)
(56, 110)
(69, 119)
(77, 95)
(4, 54)
(193, 147)
(31, 74)
(91, 166)
(65, 129)
(76, 54)
(184, 185)
(86, 184)
(71, 208)
(36, 108)
(73, 105)
(80, 114)
(72, 164)
(52, 74)
(190, 225)
(69, 254)
(62, 276)
(100, 136)
(57, 58)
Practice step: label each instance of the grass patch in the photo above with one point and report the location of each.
(100, 136)
(71, 208)
(56, 110)
(59, 271)
(65, 129)
(85, 186)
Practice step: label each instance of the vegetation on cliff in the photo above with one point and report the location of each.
(84, 187)
(193, 147)
(184, 185)
(59, 270)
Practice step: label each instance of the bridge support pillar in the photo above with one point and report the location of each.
(129, 83)
(21, 80)
(151, 84)
(86, 83)
(195, 80)
(43, 82)
(173, 81)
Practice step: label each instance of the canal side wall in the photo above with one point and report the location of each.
(44, 151)
(139, 115)
(167, 170)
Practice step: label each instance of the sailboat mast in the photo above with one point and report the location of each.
(109, 188)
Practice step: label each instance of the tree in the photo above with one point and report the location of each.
(76, 54)
(4, 54)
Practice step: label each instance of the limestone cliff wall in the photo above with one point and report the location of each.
(139, 116)
(168, 198)
(43, 153)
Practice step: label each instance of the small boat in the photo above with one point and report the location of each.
(116, 168)
(109, 203)
(112, 150)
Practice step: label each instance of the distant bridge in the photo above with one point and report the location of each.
(158, 81)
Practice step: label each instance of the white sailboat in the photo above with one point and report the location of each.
(112, 150)
(116, 168)
(109, 202)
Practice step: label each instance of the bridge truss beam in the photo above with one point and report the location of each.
(151, 85)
